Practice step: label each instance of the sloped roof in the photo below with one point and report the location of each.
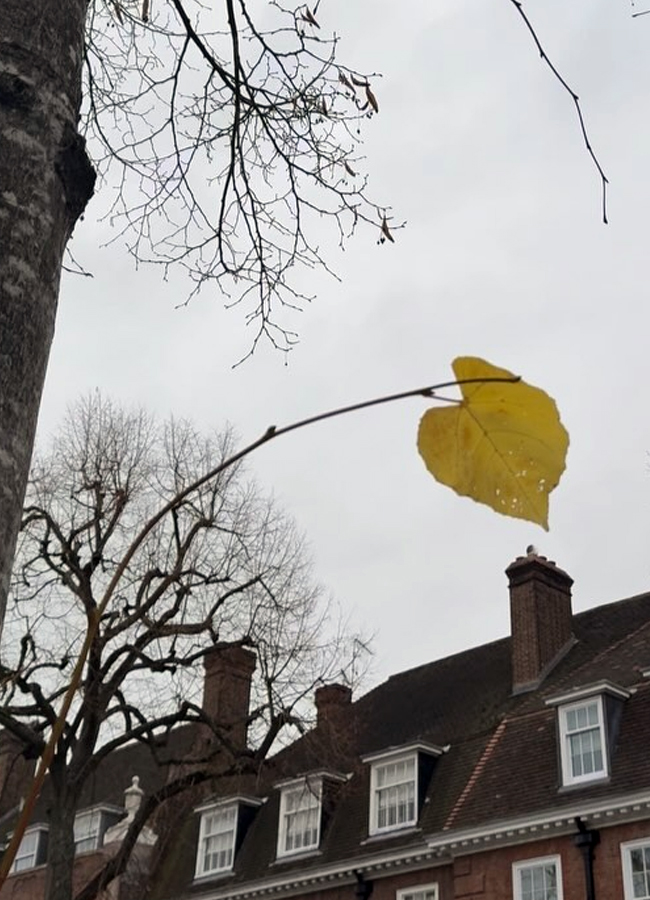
(501, 759)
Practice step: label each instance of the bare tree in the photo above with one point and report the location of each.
(230, 134)
(223, 567)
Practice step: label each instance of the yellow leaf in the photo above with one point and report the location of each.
(503, 445)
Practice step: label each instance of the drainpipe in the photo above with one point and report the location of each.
(586, 840)
(363, 888)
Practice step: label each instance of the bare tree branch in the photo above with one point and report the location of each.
(518, 4)
(140, 608)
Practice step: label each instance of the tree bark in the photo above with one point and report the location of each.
(61, 847)
(46, 180)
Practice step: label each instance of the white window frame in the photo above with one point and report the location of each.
(27, 859)
(519, 867)
(376, 789)
(206, 833)
(419, 892)
(101, 819)
(309, 792)
(568, 778)
(626, 862)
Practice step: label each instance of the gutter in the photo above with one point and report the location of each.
(586, 841)
(363, 889)
(432, 851)
(625, 808)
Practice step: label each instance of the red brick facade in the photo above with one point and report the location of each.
(484, 741)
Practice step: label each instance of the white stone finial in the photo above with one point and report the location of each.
(133, 797)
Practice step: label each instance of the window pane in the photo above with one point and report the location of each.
(218, 852)
(426, 894)
(301, 818)
(640, 865)
(584, 742)
(395, 773)
(538, 882)
(220, 821)
(27, 852)
(218, 839)
(396, 805)
(301, 829)
(637, 859)
(87, 831)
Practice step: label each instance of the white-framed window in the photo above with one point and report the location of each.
(636, 869)
(537, 879)
(419, 892)
(393, 793)
(217, 840)
(300, 816)
(583, 745)
(32, 850)
(90, 826)
(87, 830)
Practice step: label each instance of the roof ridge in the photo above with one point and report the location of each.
(435, 662)
(600, 607)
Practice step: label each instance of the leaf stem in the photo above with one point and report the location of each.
(271, 433)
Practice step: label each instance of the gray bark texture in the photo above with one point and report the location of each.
(46, 180)
(61, 849)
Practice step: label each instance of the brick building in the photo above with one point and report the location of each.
(518, 770)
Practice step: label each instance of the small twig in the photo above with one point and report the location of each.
(576, 101)
(76, 268)
(95, 616)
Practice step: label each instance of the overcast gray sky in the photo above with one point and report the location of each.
(504, 256)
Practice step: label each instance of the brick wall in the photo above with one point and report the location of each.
(488, 875)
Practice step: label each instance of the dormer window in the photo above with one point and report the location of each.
(582, 735)
(398, 779)
(303, 802)
(32, 850)
(587, 724)
(223, 825)
(90, 826)
(217, 840)
(392, 790)
(300, 816)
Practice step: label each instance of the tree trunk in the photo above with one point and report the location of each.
(46, 180)
(60, 849)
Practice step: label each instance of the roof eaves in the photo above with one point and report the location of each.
(628, 807)
(315, 879)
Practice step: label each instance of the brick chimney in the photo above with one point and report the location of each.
(333, 703)
(227, 689)
(540, 618)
